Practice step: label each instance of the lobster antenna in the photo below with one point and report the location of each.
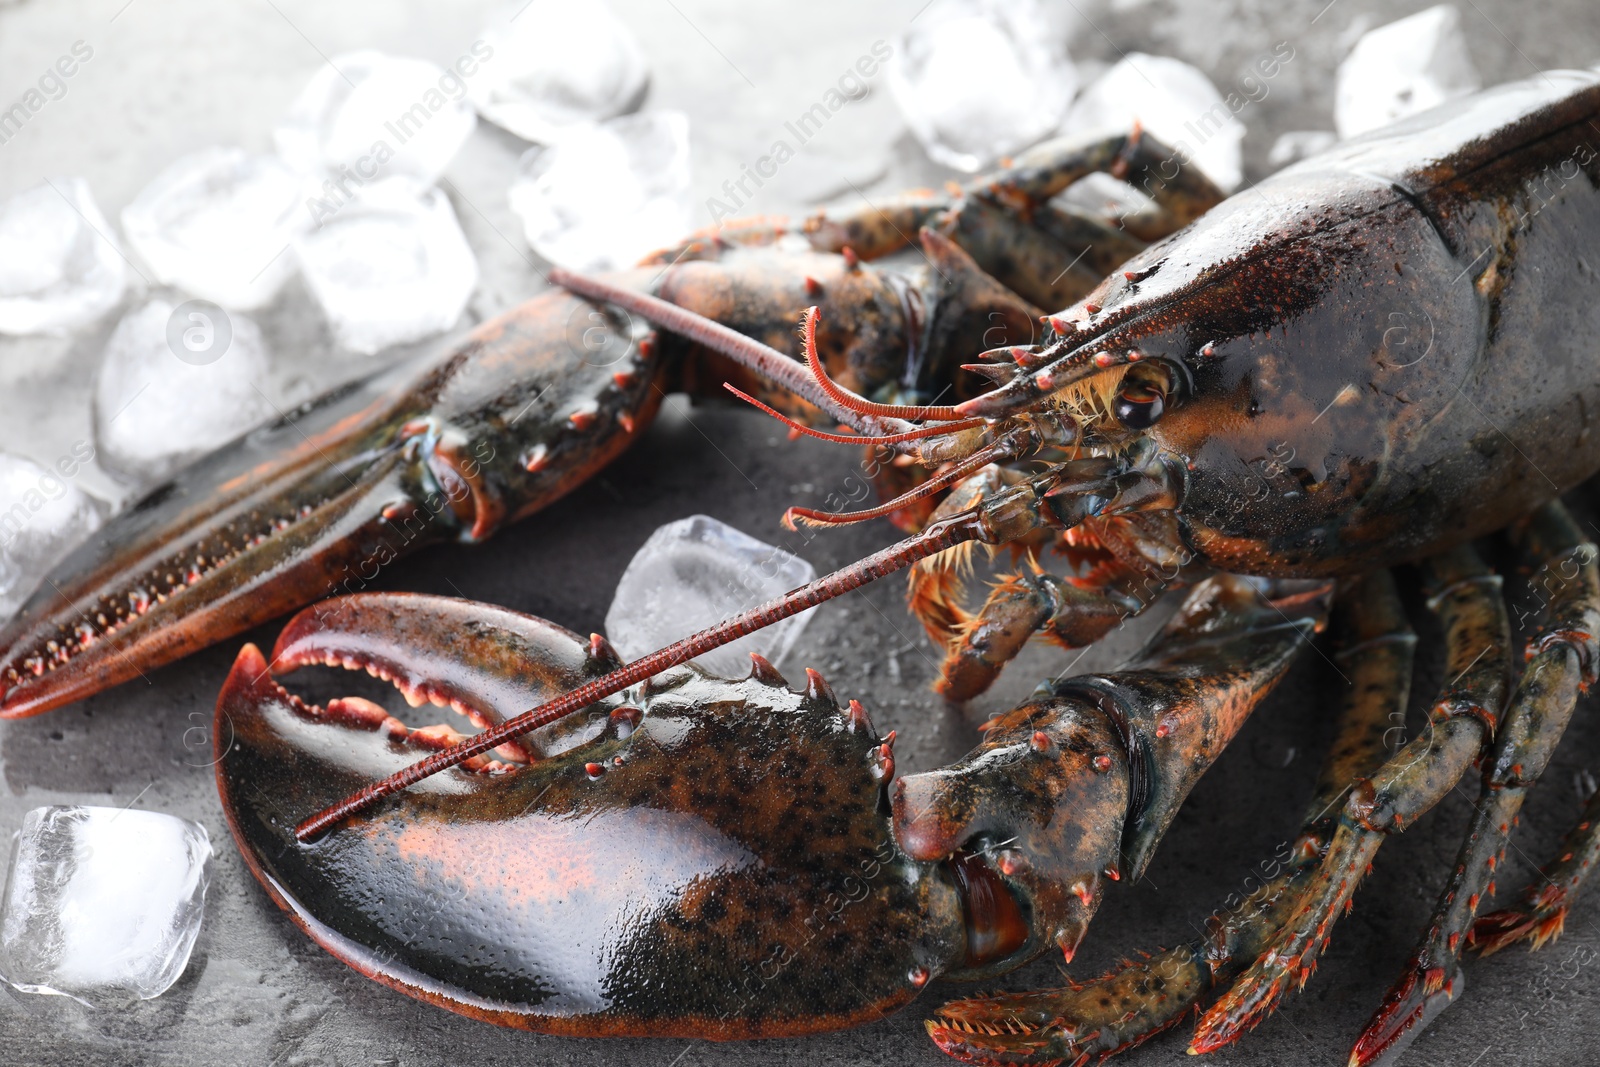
(843, 396)
(936, 430)
(939, 536)
(745, 351)
(972, 464)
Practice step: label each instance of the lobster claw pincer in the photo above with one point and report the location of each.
(319, 502)
(694, 856)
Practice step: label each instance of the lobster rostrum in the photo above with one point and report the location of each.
(1373, 358)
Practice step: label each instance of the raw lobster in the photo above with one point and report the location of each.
(1371, 359)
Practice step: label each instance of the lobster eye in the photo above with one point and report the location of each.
(1142, 396)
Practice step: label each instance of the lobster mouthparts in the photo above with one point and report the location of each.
(695, 856)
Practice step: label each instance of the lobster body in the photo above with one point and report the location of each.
(1392, 346)
(1372, 358)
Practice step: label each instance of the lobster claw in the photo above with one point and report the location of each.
(320, 501)
(695, 856)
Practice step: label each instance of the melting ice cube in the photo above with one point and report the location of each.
(696, 572)
(102, 904)
(1099, 195)
(1403, 68)
(557, 64)
(59, 265)
(1175, 102)
(366, 116)
(608, 193)
(390, 267)
(177, 380)
(43, 516)
(1296, 145)
(218, 224)
(978, 79)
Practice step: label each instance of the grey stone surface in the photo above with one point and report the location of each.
(172, 77)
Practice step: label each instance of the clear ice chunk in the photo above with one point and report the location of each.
(608, 193)
(1403, 68)
(979, 79)
(1296, 145)
(43, 516)
(392, 266)
(1099, 195)
(696, 572)
(1175, 102)
(218, 224)
(365, 116)
(102, 904)
(557, 64)
(178, 379)
(59, 265)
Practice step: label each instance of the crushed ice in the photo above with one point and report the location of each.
(177, 379)
(696, 572)
(608, 193)
(556, 65)
(1405, 67)
(980, 79)
(60, 267)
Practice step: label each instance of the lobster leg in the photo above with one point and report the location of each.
(1181, 194)
(1409, 783)
(1005, 220)
(1030, 602)
(1127, 573)
(1542, 912)
(1574, 606)
(1081, 1022)
(1562, 657)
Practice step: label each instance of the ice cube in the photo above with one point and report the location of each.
(696, 572)
(1099, 195)
(1403, 68)
(1296, 145)
(365, 116)
(59, 264)
(218, 224)
(390, 267)
(102, 904)
(607, 193)
(1175, 102)
(979, 79)
(178, 379)
(557, 64)
(43, 516)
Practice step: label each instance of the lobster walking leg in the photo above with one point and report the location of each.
(1005, 220)
(1080, 1022)
(1563, 656)
(1409, 783)
(977, 647)
(1569, 582)
(1541, 913)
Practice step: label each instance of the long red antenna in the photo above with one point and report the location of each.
(746, 351)
(938, 429)
(939, 536)
(971, 465)
(840, 395)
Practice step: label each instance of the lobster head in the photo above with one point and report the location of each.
(1288, 356)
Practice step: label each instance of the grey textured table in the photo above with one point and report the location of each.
(168, 78)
